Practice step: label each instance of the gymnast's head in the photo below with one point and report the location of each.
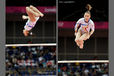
(87, 14)
(25, 32)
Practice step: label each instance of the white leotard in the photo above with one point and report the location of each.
(29, 25)
(85, 26)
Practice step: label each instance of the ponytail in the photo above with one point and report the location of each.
(88, 7)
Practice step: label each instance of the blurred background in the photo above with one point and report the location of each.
(31, 61)
(45, 29)
(96, 48)
(83, 69)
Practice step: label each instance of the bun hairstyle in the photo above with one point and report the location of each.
(88, 7)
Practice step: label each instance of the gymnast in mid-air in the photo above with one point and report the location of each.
(84, 28)
(33, 16)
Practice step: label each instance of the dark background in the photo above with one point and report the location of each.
(71, 10)
(30, 2)
(94, 48)
(44, 30)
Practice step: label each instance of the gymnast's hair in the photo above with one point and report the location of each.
(88, 7)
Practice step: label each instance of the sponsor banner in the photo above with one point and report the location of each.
(71, 24)
(15, 9)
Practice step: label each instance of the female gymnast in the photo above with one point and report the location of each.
(33, 16)
(84, 28)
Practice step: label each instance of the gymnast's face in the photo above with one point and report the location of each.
(25, 32)
(87, 17)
